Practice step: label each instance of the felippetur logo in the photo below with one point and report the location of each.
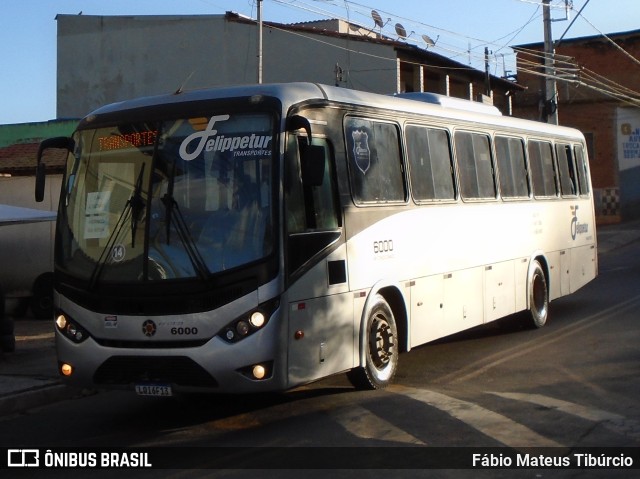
(577, 228)
(209, 140)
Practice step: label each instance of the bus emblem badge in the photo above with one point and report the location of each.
(361, 151)
(149, 328)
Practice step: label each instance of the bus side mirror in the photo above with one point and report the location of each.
(61, 142)
(311, 156)
(312, 164)
(41, 175)
(297, 122)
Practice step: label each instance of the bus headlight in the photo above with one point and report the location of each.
(258, 372)
(70, 329)
(257, 319)
(249, 323)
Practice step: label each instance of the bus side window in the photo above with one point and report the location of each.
(309, 208)
(311, 211)
(583, 172)
(375, 161)
(512, 167)
(542, 169)
(566, 168)
(474, 162)
(430, 161)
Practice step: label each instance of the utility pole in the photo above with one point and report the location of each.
(551, 91)
(259, 73)
(487, 76)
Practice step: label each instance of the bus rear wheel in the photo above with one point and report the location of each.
(538, 296)
(381, 348)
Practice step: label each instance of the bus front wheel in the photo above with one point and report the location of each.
(381, 348)
(538, 296)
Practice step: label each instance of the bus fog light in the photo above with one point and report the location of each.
(66, 369)
(230, 335)
(259, 371)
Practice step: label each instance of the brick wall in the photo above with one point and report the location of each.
(601, 65)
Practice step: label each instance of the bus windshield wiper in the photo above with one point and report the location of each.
(132, 209)
(136, 204)
(177, 219)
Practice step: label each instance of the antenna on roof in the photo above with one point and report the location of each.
(401, 31)
(377, 19)
(378, 22)
(429, 41)
(184, 83)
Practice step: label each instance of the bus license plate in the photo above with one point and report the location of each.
(161, 390)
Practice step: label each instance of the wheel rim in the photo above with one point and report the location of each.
(381, 341)
(539, 295)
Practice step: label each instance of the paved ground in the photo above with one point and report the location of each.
(29, 378)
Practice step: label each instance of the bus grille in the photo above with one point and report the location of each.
(178, 370)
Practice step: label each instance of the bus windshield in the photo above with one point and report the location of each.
(175, 199)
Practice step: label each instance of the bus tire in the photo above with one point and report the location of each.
(42, 299)
(538, 296)
(381, 348)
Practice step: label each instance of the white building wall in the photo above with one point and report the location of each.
(107, 59)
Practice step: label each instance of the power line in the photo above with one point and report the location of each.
(567, 70)
(626, 53)
(447, 48)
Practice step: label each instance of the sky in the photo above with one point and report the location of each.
(461, 29)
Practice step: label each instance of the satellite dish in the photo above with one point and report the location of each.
(377, 19)
(427, 39)
(401, 31)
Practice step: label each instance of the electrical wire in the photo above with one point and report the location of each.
(631, 57)
(565, 68)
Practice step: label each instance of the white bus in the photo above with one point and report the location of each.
(261, 237)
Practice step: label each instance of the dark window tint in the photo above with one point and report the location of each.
(512, 167)
(375, 163)
(542, 168)
(582, 168)
(309, 208)
(429, 154)
(566, 168)
(474, 162)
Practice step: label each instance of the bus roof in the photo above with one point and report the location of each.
(298, 92)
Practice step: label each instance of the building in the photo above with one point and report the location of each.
(599, 93)
(107, 59)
